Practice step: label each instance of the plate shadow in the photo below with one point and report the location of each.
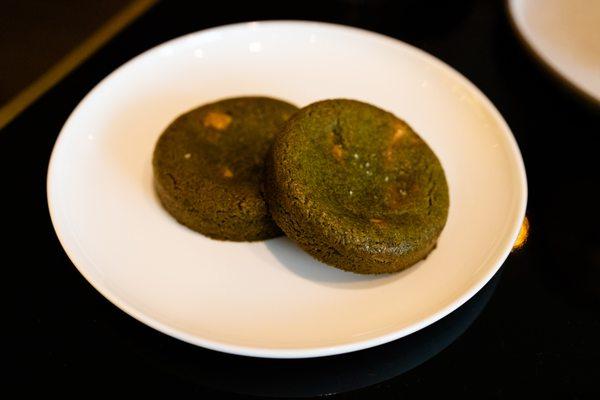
(299, 262)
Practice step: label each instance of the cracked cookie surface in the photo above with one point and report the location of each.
(209, 163)
(356, 187)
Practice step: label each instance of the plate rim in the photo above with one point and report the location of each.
(78, 261)
(546, 63)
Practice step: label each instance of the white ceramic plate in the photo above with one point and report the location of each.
(270, 299)
(565, 35)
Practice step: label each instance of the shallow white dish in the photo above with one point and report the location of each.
(270, 299)
(565, 35)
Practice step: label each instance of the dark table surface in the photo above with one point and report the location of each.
(535, 328)
(67, 21)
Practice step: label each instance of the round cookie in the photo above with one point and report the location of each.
(209, 164)
(356, 187)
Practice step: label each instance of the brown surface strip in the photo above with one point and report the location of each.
(44, 41)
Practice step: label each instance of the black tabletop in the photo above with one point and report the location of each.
(535, 328)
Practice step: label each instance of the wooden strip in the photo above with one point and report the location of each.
(74, 58)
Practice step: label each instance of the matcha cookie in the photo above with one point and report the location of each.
(356, 187)
(209, 164)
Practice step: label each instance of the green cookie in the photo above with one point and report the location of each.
(356, 187)
(209, 164)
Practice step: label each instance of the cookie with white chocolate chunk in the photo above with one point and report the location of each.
(208, 167)
(356, 187)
